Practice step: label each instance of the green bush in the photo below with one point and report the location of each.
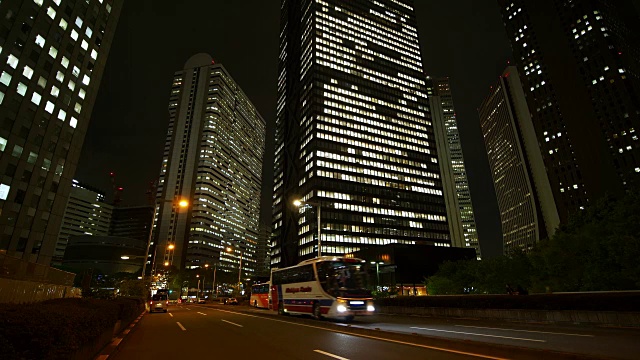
(56, 329)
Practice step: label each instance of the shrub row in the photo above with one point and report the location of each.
(623, 301)
(56, 329)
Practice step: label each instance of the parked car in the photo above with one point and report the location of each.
(159, 302)
(232, 301)
(202, 300)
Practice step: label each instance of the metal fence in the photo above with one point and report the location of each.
(18, 269)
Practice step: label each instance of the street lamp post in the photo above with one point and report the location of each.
(317, 205)
(182, 204)
(377, 273)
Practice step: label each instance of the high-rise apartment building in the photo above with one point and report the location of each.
(86, 213)
(213, 159)
(462, 223)
(353, 133)
(52, 55)
(528, 212)
(579, 62)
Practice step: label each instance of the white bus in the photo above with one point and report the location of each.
(332, 287)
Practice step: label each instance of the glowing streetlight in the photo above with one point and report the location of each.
(183, 203)
(299, 203)
(166, 263)
(171, 247)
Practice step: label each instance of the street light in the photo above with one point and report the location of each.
(183, 204)
(298, 203)
(377, 272)
(229, 250)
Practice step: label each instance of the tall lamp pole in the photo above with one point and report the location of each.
(182, 204)
(298, 203)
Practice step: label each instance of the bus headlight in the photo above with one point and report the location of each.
(371, 308)
(341, 308)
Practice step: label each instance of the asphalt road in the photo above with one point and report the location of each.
(199, 332)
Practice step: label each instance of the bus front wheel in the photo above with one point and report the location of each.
(317, 313)
(281, 309)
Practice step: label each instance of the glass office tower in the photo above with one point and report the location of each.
(213, 159)
(52, 55)
(354, 138)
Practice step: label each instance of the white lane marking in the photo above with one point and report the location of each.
(181, 327)
(202, 313)
(531, 331)
(102, 357)
(187, 308)
(116, 341)
(368, 336)
(170, 314)
(475, 334)
(330, 355)
(232, 323)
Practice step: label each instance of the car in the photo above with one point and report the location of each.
(159, 302)
(232, 301)
(202, 301)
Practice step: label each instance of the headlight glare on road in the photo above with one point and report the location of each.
(342, 308)
(371, 308)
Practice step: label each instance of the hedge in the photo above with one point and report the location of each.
(56, 329)
(622, 301)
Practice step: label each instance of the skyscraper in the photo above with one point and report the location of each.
(86, 213)
(353, 134)
(579, 62)
(52, 55)
(528, 212)
(462, 221)
(213, 159)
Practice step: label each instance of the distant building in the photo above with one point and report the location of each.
(462, 223)
(53, 56)
(103, 254)
(527, 208)
(353, 133)
(263, 254)
(133, 222)
(579, 63)
(86, 213)
(213, 159)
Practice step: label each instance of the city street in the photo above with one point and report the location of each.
(196, 331)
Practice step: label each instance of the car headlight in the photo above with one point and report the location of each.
(342, 308)
(371, 308)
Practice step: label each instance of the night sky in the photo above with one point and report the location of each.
(462, 39)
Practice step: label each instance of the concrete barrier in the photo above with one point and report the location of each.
(613, 318)
(23, 291)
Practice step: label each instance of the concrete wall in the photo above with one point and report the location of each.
(564, 316)
(22, 291)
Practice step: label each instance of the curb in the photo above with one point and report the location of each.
(111, 347)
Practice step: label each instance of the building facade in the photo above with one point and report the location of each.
(354, 139)
(462, 223)
(52, 56)
(579, 63)
(528, 212)
(86, 213)
(213, 159)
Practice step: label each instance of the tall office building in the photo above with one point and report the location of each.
(579, 62)
(86, 213)
(131, 222)
(353, 134)
(52, 55)
(528, 211)
(462, 223)
(213, 159)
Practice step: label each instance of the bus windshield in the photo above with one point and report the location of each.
(343, 279)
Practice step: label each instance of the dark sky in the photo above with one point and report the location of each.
(462, 39)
